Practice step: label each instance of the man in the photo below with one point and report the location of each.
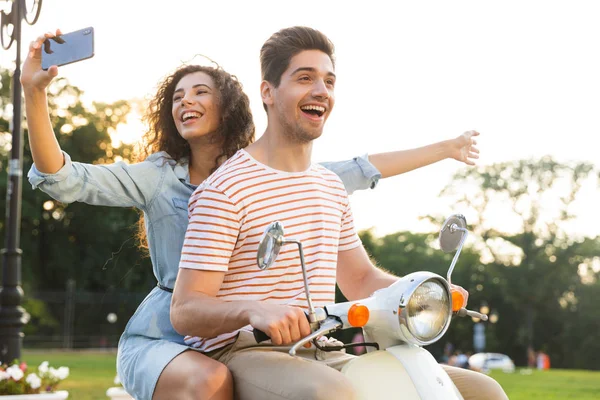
(219, 283)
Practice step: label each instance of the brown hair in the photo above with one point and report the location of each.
(236, 126)
(278, 50)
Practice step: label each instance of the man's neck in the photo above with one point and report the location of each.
(279, 152)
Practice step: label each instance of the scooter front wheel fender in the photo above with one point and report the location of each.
(400, 372)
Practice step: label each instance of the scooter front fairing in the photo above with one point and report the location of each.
(403, 372)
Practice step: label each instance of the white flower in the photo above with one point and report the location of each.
(62, 373)
(15, 372)
(43, 368)
(117, 380)
(34, 381)
(4, 376)
(53, 373)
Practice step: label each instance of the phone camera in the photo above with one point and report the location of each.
(87, 31)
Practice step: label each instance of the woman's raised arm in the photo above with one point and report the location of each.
(45, 149)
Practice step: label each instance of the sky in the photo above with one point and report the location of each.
(526, 74)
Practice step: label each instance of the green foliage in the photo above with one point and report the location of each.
(40, 316)
(537, 265)
(539, 280)
(94, 246)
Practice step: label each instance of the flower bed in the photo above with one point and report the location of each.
(60, 395)
(19, 382)
(118, 393)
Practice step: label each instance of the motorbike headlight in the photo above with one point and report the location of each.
(427, 313)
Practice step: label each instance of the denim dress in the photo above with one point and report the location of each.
(160, 187)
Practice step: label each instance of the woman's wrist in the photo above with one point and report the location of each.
(445, 149)
(34, 92)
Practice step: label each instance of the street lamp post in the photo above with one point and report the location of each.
(12, 315)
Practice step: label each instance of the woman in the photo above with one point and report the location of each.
(198, 118)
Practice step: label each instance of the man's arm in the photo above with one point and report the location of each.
(194, 299)
(394, 163)
(196, 311)
(357, 277)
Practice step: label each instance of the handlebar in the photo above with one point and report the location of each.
(313, 318)
(260, 336)
(463, 312)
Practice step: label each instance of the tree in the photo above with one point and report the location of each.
(94, 246)
(537, 262)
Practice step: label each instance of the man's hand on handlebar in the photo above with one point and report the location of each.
(283, 324)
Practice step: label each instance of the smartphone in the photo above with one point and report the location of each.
(68, 48)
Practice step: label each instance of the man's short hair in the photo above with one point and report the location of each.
(278, 50)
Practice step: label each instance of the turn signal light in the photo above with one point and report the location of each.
(457, 300)
(358, 315)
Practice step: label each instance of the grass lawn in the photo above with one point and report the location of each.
(92, 373)
(551, 385)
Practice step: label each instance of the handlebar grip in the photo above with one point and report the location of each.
(463, 312)
(260, 336)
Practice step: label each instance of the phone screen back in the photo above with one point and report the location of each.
(76, 46)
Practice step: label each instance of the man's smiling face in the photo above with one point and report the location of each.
(305, 96)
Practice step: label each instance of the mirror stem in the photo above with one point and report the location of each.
(454, 228)
(312, 318)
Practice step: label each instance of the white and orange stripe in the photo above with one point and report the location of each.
(229, 213)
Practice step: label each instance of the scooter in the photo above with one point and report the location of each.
(396, 321)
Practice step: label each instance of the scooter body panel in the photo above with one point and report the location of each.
(401, 372)
(429, 378)
(378, 375)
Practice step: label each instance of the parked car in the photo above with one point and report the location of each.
(488, 361)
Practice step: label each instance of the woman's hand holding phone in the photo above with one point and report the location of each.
(33, 77)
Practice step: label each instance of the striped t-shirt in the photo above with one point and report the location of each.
(229, 213)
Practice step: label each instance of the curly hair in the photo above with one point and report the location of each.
(236, 126)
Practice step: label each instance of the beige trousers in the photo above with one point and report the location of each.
(475, 385)
(268, 374)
